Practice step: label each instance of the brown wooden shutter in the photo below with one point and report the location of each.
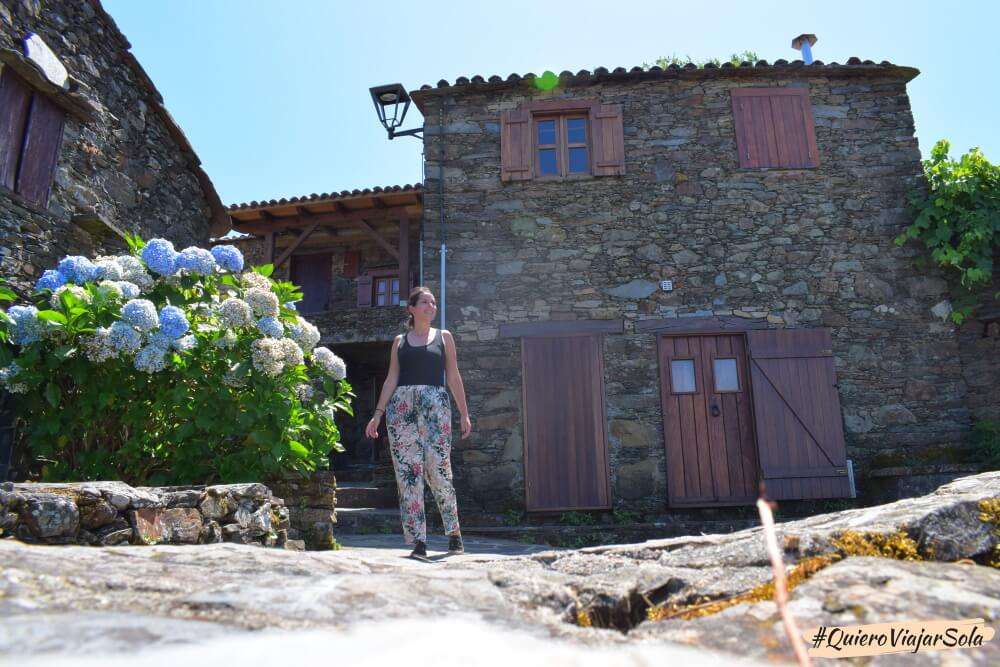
(15, 101)
(515, 145)
(351, 261)
(800, 435)
(607, 130)
(565, 448)
(313, 274)
(774, 128)
(42, 140)
(364, 291)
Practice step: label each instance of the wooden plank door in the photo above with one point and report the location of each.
(707, 420)
(565, 444)
(313, 274)
(797, 414)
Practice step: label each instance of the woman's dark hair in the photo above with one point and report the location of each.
(414, 298)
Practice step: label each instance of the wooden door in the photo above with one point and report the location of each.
(707, 420)
(313, 274)
(797, 415)
(565, 444)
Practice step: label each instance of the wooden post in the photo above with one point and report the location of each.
(404, 258)
(269, 248)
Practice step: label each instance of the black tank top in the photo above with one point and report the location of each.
(423, 364)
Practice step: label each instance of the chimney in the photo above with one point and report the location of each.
(804, 43)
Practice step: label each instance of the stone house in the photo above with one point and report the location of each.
(87, 149)
(668, 287)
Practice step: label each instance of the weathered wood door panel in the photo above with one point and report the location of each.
(797, 414)
(565, 446)
(708, 429)
(313, 274)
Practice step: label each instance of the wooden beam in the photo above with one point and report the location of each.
(404, 258)
(290, 249)
(269, 247)
(347, 219)
(378, 239)
(378, 203)
(690, 325)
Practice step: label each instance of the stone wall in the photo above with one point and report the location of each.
(111, 513)
(797, 248)
(129, 164)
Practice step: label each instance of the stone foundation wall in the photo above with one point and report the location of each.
(790, 247)
(130, 164)
(112, 513)
(311, 502)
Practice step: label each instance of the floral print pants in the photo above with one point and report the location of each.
(418, 418)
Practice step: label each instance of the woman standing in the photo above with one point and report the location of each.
(419, 420)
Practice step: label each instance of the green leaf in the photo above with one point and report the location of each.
(7, 294)
(264, 269)
(53, 394)
(53, 316)
(298, 449)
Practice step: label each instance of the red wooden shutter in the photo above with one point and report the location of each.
(15, 100)
(364, 291)
(800, 436)
(606, 128)
(515, 145)
(42, 139)
(774, 128)
(351, 261)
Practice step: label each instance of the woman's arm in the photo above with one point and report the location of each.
(389, 386)
(455, 381)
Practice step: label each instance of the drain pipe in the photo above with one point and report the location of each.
(804, 43)
(420, 253)
(444, 246)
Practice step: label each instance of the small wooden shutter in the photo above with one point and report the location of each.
(515, 145)
(774, 128)
(15, 100)
(800, 435)
(351, 261)
(607, 131)
(42, 140)
(364, 291)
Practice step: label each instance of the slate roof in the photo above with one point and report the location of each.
(762, 68)
(330, 196)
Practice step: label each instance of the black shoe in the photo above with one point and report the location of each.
(455, 545)
(419, 550)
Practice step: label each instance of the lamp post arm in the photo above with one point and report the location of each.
(415, 132)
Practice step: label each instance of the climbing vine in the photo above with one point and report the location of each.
(957, 219)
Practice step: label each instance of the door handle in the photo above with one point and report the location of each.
(714, 410)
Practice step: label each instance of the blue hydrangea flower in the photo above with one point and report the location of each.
(124, 339)
(228, 257)
(271, 327)
(151, 359)
(51, 279)
(77, 269)
(27, 327)
(141, 314)
(129, 290)
(160, 257)
(173, 322)
(108, 268)
(290, 305)
(196, 260)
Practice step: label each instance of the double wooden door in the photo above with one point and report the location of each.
(708, 420)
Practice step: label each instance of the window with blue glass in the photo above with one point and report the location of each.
(561, 146)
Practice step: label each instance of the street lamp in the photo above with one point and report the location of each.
(391, 103)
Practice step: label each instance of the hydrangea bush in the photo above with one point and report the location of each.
(165, 367)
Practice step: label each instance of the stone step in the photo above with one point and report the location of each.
(358, 472)
(363, 494)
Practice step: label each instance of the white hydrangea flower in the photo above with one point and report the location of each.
(330, 363)
(254, 280)
(268, 356)
(109, 268)
(135, 272)
(263, 303)
(185, 343)
(111, 288)
(7, 376)
(291, 353)
(304, 392)
(77, 291)
(304, 334)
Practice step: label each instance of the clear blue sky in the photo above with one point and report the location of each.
(274, 95)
